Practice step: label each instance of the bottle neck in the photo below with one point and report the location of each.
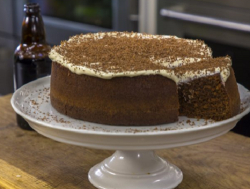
(32, 27)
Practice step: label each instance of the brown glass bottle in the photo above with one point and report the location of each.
(31, 56)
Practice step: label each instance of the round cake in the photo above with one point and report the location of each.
(134, 79)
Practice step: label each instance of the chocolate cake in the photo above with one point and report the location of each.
(121, 78)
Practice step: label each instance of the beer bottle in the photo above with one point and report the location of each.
(31, 56)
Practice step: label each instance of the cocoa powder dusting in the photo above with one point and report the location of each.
(209, 64)
(124, 52)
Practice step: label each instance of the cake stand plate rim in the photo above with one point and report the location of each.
(46, 80)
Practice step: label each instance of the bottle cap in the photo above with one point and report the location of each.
(31, 8)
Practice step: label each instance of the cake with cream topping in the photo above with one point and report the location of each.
(121, 78)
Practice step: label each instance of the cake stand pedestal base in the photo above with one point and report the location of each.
(135, 170)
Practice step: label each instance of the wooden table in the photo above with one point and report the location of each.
(31, 161)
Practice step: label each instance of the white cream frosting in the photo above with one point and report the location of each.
(168, 72)
(224, 73)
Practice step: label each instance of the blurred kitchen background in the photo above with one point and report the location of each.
(224, 25)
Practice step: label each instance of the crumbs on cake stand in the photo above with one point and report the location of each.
(36, 100)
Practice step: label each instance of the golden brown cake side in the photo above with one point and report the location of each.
(209, 98)
(142, 100)
(233, 93)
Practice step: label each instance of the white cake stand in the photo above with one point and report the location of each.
(134, 165)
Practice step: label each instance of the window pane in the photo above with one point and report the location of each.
(94, 12)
